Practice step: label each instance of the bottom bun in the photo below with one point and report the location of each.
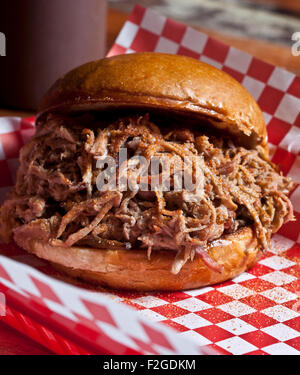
(131, 269)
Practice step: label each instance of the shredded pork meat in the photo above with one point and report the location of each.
(56, 193)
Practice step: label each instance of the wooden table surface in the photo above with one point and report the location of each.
(12, 342)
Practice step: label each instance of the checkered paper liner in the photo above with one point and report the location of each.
(258, 312)
(72, 320)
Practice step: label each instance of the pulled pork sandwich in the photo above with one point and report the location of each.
(149, 104)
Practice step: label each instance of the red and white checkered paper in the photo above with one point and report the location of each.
(258, 312)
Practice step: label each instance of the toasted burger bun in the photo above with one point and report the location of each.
(131, 269)
(169, 83)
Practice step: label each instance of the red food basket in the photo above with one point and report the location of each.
(258, 312)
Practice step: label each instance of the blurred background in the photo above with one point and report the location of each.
(83, 30)
(269, 20)
(260, 27)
